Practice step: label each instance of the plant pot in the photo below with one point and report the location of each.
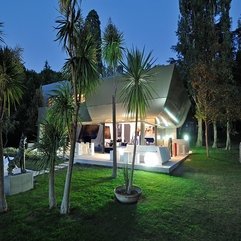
(123, 197)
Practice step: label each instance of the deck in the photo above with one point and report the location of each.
(100, 159)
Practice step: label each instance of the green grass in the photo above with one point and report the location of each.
(204, 203)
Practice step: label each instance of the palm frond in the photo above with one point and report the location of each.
(112, 46)
(138, 90)
(11, 85)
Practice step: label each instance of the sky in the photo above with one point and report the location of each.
(152, 24)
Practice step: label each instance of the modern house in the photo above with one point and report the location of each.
(167, 112)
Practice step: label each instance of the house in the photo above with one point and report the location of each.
(167, 112)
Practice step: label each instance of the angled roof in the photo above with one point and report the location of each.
(168, 108)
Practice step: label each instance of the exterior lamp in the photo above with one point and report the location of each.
(186, 137)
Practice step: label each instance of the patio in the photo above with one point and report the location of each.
(104, 159)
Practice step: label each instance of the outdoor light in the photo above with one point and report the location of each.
(151, 159)
(186, 137)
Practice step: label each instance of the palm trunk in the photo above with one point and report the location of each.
(114, 170)
(228, 140)
(200, 133)
(3, 202)
(52, 197)
(64, 209)
(133, 157)
(215, 134)
(206, 137)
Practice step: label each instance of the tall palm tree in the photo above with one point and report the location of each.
(137, 92)
(82, 66)
(11, 90)
(112, 53)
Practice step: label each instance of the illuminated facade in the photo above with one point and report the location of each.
(168, 109)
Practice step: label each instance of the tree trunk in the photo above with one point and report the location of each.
(114, 169)
(200, 133)
(133, 157)
(64, 209)
(52, 197)
(215, 134)
(206, 137)
(228, 140)
(3, 202)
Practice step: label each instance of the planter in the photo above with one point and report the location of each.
(123, 197)
(14, 184)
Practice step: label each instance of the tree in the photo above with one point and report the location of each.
(92, 22)
(224, 65)
(137, 92)
(62, 106)
(51, 140)
(11, 90)
(82, 67)
(27, 112)
(112, 54)
(196, 42)
(203, 78)
(49, 76)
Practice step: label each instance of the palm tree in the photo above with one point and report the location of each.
(52, 138)
(11, 90)
(113, 53)
(82, 66)
(62, 106)
(137, 92)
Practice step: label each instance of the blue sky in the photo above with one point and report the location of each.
(151, 24)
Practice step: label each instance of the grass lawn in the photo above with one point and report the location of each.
(204, 203)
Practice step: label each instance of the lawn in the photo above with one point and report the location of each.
(202, 203)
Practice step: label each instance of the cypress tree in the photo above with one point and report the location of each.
(92, 22)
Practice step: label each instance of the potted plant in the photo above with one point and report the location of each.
(135, 95)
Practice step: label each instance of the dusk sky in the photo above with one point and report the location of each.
(153, 24)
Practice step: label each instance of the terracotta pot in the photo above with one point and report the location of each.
(123, 197)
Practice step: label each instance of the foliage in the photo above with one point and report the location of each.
(48, 76)
(62, 106)
(82, 68)
(92, 23)
(136, 94)
(11, 90)
(112, 54)
(53, 137)
(201, 204)
(204, 37)
(112, 48)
